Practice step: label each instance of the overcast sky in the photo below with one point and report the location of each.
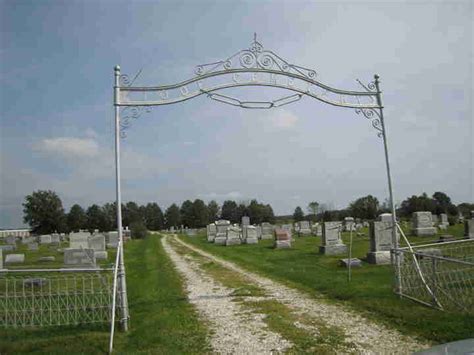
(56, 76)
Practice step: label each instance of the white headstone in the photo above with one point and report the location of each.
(250, 235)
(97, 242)
(221, 231)
(211, 232)
(385, 217)
(469, 228)
(100, 255)
(380, 242)
(443, 221)
(112, 239)
(79, 257)
(423, 224)
(304, 228)
(233, 236)
(245, 220)
(331, 243)
(348, 223)
(79, 240)
(15, 259)
(267, 231)
(45, 239)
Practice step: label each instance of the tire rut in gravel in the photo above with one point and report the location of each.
(234, 329)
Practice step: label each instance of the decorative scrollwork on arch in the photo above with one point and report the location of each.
(255, 57)
(128, 114)
(374, 116)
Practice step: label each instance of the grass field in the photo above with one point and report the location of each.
(162, 321)
(369, 292)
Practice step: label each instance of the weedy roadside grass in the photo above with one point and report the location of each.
(308, 335)
(162, 320)
(369, 292)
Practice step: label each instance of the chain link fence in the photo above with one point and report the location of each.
(439, 275)
(55, 297)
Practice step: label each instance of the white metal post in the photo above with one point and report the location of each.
(389, 177)
(121, 270)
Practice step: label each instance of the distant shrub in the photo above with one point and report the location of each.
(138, 230)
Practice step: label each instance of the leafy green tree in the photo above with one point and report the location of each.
(298, 215)
(76, 218)
(365, 207)
(187, 214)
(417, 203)
(313, 208)
(172, 216)
(229, 211)
(44, 212)
(96, 219)
(213, 209)
(153, 216)
(200, 213)
(268, 215)
(131, 213)
(255, 212)
(110, 211)
(443, 204)
(465, 209)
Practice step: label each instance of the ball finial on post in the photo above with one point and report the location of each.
(117, 68)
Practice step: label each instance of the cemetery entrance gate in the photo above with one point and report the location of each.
(255, 67)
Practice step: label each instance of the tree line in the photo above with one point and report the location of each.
(44, 212)
(368, 208)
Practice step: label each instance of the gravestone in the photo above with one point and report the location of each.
(10, 239)
(380, 234)
(288, 228)
(112, 239)
(221, 231)
(282, 239)
(191, 232)
(267, 231)
(434, 219)
(422, 224)
(79, 257)
(15, 259)
(304, 228)
(384, 217)
(97, 242)
(79, 240)
(245, 221)
(348, 223)
(211, 232)
(259, 232)
(55, 238)
(443, 221)
(101, 255)
(354, 262)
(47, 259)
(250, 235)
(28, 240)
(365, 224)
(233, 236)
(8, 247)
(33, 246)
(319, 230)
(469, 228)
(45, 239)
(331, 243)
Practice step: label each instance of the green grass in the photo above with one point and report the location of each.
(369, 292)
(162, 321)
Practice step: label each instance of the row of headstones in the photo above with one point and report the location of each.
(424, 225)
(84, 249)
(223, 233)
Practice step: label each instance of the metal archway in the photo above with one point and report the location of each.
(254, 66)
